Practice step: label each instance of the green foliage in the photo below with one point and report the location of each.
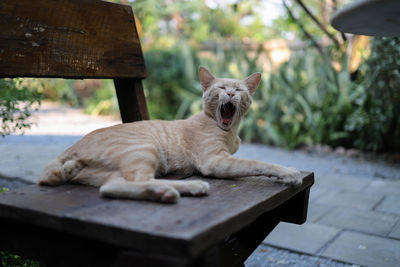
(302, 104)
(305, 101)
(103, 100)
(375, 124)
(3, 189)
(11, 260)
(16, 105)
(199, 21)
(171, 85)
(61, 90)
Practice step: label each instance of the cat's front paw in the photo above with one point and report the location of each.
(290, 176)
(194, 188)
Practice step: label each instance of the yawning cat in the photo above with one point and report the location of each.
(125, 159)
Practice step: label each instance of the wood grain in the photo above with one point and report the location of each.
(184, 229)
(68, 39)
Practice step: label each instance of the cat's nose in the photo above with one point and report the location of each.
(231, 94)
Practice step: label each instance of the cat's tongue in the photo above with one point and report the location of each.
(226, 121)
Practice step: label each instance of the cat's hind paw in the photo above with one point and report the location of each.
(150, 190)
(190, 188)
(165, 194)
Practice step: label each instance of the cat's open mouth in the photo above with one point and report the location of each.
(227, 112)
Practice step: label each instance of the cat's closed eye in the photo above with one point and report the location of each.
(239, 89)
(222, 87)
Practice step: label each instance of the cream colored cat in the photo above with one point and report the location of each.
(125, 159)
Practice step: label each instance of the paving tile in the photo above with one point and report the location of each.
(365, 250)
(352, 199)
(317, 211)
(395, 233)
(351, 183)
(318, 190)
(27, 161)
(360, 220)
(268, 256)
(306, 238)
(380, 186)
(390, 204)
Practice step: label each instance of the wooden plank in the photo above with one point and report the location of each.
(53, 247)
(131, 100)
(369, 17)
(57, 248)
(186, 228)
(68, 39)
(43, 205)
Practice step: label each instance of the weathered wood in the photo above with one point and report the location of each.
(54, 247)
(242, 244)
(137, 259)
(131, 100)
(184, 229)
(68, 39)
(295, 209)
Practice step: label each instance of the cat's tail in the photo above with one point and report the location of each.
(56, 172)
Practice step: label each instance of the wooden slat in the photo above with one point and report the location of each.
(68, 39)
(44, 206)
(186, 228)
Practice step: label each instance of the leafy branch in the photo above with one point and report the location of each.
(319, 24)
(302, 28)
(16, 105)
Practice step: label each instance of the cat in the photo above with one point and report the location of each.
(123, 160)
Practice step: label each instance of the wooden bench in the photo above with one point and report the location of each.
(71, 225)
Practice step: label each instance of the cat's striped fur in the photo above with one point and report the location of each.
(125, 159)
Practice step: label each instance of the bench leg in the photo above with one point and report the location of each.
(234, 251)
(242, 245)
(131, 99)
(295, 209)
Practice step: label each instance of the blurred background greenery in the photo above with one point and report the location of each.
(319, 86)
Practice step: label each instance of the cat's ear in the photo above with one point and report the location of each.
(206, 78)
(252, 82)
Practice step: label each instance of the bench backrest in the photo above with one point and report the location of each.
(75, 39)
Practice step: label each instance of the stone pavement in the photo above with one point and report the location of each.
(354, 209)
(354, 216)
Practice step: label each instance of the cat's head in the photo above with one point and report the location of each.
(227, 100)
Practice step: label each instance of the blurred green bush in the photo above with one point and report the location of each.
(308, 100)
(375, 122)
(17, 102)
(11, 260)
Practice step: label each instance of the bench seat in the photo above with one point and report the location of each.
(72, 224)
